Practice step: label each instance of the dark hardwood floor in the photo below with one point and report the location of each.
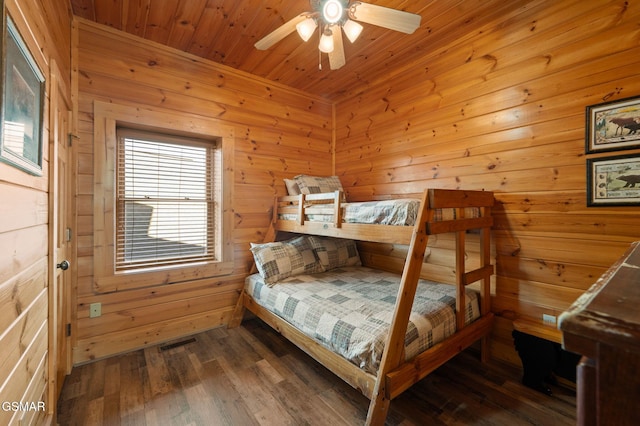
(252, 376)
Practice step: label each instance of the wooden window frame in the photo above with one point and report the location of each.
(107, 117)
(208, 187)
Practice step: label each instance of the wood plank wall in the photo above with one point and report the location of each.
(503, 109)
(24, 218)
(279, 133)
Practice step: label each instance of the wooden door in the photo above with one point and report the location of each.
(60, 202)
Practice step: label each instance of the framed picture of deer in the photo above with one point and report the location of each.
(613, 181)
(613, 126)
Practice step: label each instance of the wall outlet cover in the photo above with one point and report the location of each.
(95, 310)
(549, 319)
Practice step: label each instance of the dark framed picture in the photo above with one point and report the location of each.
(613, 126)
(613, 181)
(22, 103)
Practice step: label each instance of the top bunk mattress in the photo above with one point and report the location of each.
(400, 212)
(349, 310)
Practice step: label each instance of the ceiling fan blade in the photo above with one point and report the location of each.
(280, 32)
(384, 17)
(336, 56)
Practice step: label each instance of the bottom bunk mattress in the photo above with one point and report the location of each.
(349, 310)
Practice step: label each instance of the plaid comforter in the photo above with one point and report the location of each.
(387, 212)
(349, 310)
(400, 212)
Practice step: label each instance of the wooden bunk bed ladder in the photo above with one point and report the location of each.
(394, 375)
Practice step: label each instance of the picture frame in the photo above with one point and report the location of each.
(613, 181)
(21, 113)
(613, 125)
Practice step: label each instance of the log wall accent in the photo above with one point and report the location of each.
(503, 109)
(24, 233)
(279, 132)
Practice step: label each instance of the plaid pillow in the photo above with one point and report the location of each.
(292, 187)
(318, 184)
(283, 259)
(335, 252)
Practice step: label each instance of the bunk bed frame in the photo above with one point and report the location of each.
(394, 374)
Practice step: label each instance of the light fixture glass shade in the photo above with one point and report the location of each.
(332, 11)
(306, 28)
(351, 29)
(326, 42)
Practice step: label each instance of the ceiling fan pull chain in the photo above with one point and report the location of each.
(319, 52)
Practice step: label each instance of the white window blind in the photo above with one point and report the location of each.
(166, 207)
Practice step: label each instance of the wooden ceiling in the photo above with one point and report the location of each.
(225, 31)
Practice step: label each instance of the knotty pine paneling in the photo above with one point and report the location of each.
(503, 109)
(279, 132)
(24, 231)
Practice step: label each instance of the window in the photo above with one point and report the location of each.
(167, 200)
(162, 191)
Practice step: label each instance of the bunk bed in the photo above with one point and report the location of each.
(328, 217)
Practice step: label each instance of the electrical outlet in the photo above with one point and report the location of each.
(95, 310)
(549, 319)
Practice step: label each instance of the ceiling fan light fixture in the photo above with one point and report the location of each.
(326, 42)
(333, 17)
(352, 30)
(306, 28)
(332, 11)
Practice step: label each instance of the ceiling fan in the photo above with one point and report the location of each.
(330, 16)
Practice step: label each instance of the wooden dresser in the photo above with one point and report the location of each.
(603, 325)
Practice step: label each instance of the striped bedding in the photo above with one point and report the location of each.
(349, 310)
